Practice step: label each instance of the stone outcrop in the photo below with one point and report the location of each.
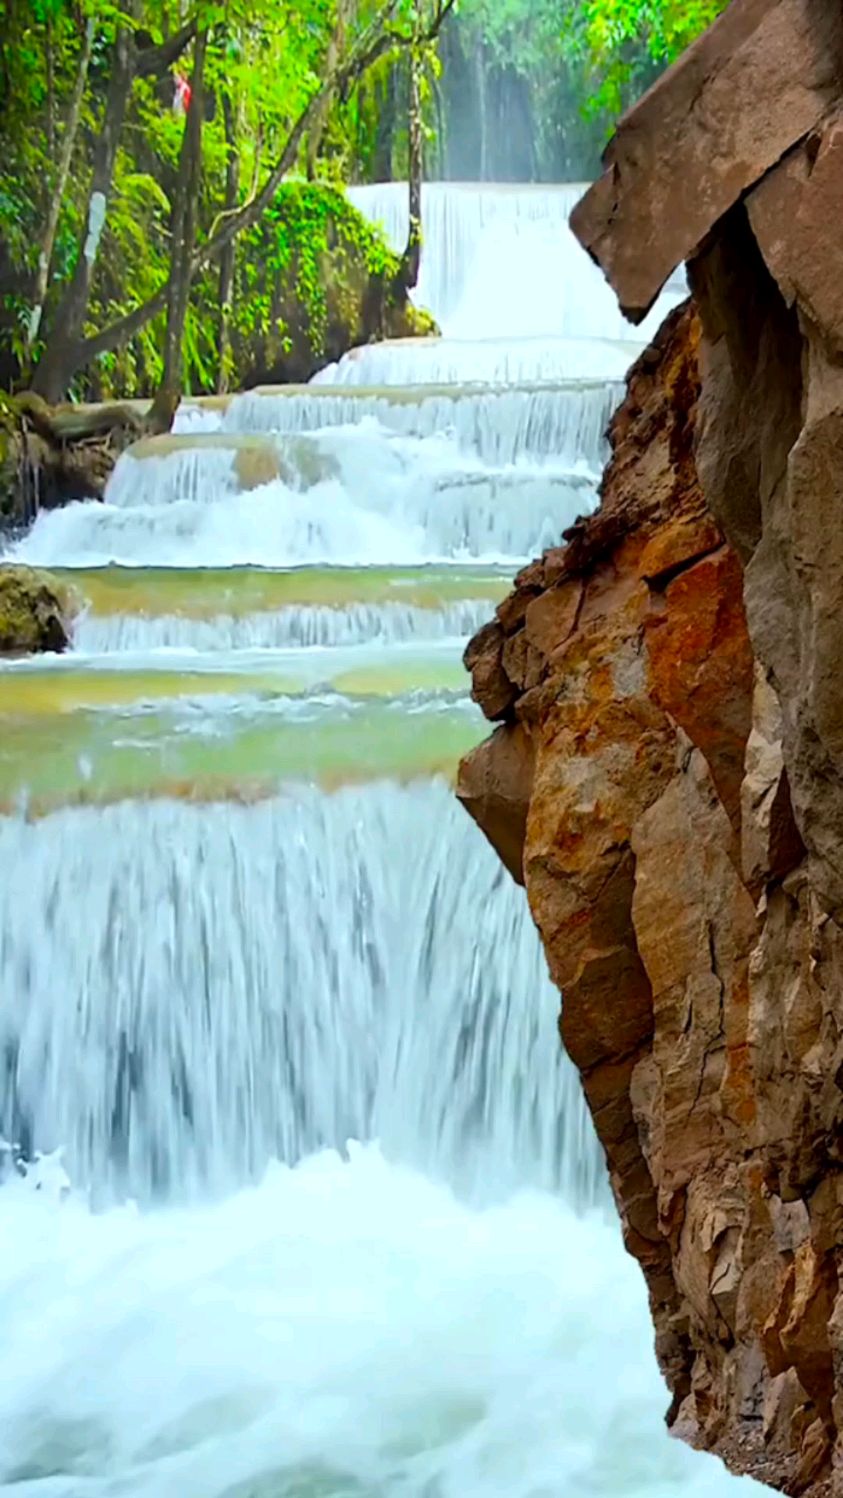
(666, 776)
(50, 455)
(36, 611)
(754, 85)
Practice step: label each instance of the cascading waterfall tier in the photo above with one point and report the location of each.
(501, 262)
(505, 361)
(326, 1219)
(360, 494)
(499, 425)
(317, 625)
(279, 979)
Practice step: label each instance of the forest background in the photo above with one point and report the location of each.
(172, 206)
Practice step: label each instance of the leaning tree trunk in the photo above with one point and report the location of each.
(57, 188)
(412, 255)
(384, 127)
(227, 258)
(185, 217)
(336, 46)
(51, 87)
(59, 359)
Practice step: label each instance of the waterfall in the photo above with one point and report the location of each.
(287, 498)
(299, 1197)
(282, 629)
(280, 982)
(530, 421)
(502, 262)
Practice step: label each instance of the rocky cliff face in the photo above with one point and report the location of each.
(667, 776)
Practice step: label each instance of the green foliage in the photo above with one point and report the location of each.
(613, 34)
(266, 61)
(586, 58)
(285, 259)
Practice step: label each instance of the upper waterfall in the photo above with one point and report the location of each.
(501, 262)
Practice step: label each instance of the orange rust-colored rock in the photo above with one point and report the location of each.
(637, 783)
(680, 681)
(677, 668)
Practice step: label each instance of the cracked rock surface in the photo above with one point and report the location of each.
(665, 774)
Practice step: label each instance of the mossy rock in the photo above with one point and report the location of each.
(315, 279)
(10, 460)
(36, 611)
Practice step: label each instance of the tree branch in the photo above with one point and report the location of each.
(123, 328)
(371, 45)
(156, 60)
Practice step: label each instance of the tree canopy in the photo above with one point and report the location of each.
(145, 143)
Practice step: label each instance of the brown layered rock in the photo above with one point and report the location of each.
(750, 88)
(674, 678)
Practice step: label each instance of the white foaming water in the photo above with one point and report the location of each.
(354, 496)
(190, 991)
(280, 629)
(347, 1329)
(497, 425)
(280, 978)
(504, 361)
(501, 262)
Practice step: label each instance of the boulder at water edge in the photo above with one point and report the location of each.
(36, 611)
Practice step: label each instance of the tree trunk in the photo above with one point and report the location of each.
(412, 255)
(226, 283)
(59, 360)
(336, 46)
(51, 88)
(61, 357)
(385, 131)
(71, 130)
(185, 217)
(441, 133)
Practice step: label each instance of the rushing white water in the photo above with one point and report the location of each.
(502, 262)
(505, 361)
(499, 425)
(244, 929)
(355, 496)
(279, 629)
(281, 979)
(345, 1330)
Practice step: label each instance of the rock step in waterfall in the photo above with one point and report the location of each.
(249, 926)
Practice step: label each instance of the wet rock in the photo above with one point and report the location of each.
(494, 785)
(491, 687)
(51, 455)
(755, 84)
(36, 611)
